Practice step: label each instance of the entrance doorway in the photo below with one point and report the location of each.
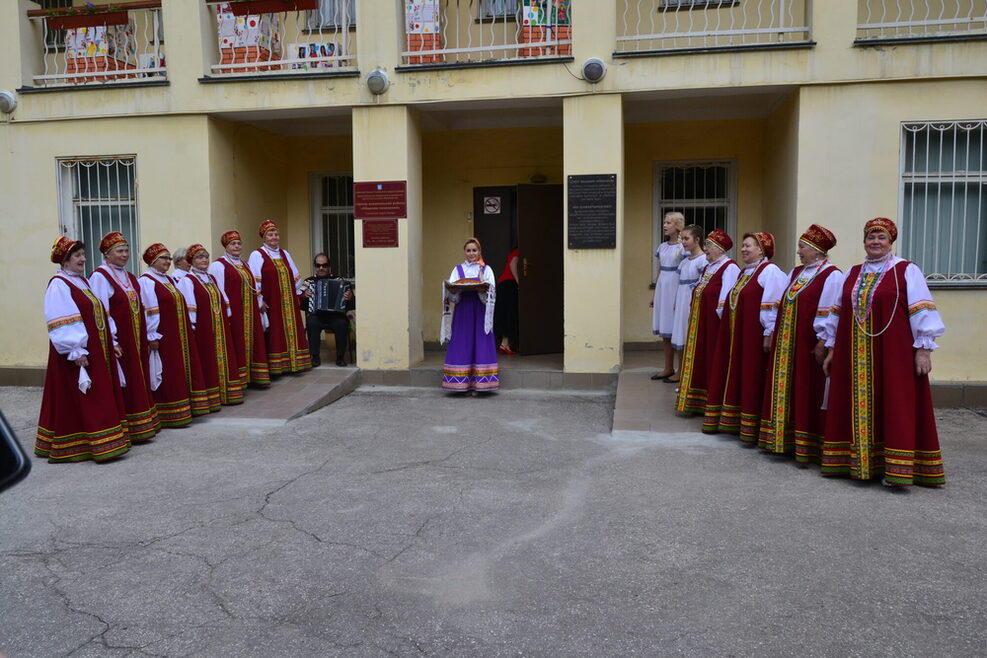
(530, 217)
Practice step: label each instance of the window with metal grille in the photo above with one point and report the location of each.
(702, 191)
(98, 195)
(332, 226)
(490, 9)
(54, 38)
(332, 13)
(943, 200)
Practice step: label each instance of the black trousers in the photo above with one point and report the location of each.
(321, 321)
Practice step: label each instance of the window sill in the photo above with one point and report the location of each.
(479, 65)
(936, 284)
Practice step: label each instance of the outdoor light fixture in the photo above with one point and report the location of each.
(377, 82)
(8, 102)
(594, 69)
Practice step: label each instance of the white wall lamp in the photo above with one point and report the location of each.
(594, 69)
(377, 82)
(8, 102)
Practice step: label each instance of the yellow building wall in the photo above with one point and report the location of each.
(454, 162)
(248, 176)
(326, 154)
(645, 143)
(848, 172)
(174, 205)
(780, 190)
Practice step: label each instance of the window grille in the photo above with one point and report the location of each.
(702, 191)
(333, 13)
(54, 38)
(99, 195)
(944, 200)
(333, 226)
(490, 9)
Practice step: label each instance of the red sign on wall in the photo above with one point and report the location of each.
(380, 233)
(380, 200)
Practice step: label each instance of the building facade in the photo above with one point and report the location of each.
(183, 120)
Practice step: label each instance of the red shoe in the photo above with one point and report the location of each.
(505, 350)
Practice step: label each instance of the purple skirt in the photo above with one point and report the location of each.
(471, 358)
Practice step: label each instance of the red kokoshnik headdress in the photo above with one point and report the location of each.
(111, 240)
(721, 239)
(819, 238)
(193, 251)
(767, 242)
(266, 226)
(60, 250)
(228, 237)
(153, 252)
(881, 224)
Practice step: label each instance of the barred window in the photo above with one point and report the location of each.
(332, 225)
(702, 191)
(54, 38)
(98, 195)
(497, 9)
(333, 13)
(943, 201)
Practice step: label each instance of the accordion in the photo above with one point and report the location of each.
(327, 294)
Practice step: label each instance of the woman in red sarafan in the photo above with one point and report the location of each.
(280, 286)
(716, 281)
(180, 392)
(247, 323)
(793, 418)
(736, 390)
(82, 409)
(119, 291)
(209, 312)
(880, 421)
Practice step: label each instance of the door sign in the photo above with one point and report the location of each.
(491, 205)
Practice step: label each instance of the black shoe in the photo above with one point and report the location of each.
(316, 363)
(341, 362)
(657, 376)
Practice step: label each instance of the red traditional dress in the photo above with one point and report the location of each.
(737, 370)
(880, 419)
(120, 293)
(246, 322)
(792, 417)
(287, 345)
(76, 425)
(704, 326)
(182, 393)
(208, 311)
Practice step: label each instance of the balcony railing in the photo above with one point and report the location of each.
(480, 31)
(99, 47)
(902, 20)
(653, 26)
(306, 37)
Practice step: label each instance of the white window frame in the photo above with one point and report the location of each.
(508, 10)
(316, 209)
(965, 173)
(68, 207)
(328, 12)
(730, 202)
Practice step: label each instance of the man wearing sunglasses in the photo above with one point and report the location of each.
(335, 321)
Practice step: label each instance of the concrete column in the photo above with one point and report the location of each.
(387, 147)
(594, 144)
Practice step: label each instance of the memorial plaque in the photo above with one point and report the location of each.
(380, 199)
(592, 203)
(380, 233)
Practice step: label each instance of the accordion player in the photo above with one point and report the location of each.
(327, 294)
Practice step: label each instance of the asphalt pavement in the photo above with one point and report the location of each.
(406, 522)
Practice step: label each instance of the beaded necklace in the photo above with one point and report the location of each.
(801, 283)
(868, 292)
(744, 280)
